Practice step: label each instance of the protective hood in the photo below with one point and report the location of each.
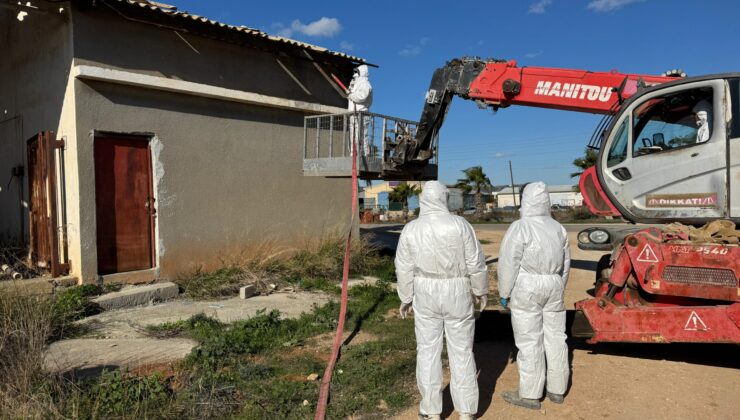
(702, 116)
(703, 106)
(535, 200)
(362, 71)
(433, 199)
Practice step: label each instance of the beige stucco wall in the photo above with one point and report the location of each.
(228, 175)
(105, 38)
(34, 70)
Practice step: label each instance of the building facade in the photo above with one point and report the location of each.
(174, 140)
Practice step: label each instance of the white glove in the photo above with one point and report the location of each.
(405, 309)
(482, 301)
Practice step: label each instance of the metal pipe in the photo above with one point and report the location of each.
(511, 174)
(318, 136)
(331, 136)
(305, 137)
(382, 142)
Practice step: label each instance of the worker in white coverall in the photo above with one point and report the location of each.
(360, 97)
(533, 268)
(440, 269)
(702, 117)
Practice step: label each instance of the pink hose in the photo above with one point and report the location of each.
(326, 380)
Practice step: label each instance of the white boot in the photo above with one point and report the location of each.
(466, 416)
(429, 417)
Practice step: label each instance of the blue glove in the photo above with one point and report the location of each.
(504, 302)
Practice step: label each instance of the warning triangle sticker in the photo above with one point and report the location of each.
(647, 254)
(694, 323)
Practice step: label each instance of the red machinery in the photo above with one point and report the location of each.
(658, 285)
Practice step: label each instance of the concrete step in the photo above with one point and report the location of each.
(137, 296)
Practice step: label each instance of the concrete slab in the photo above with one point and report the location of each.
(290, 305)
(89, 356)
(28, 287)
(246, 292)
(132, 277)
(138, 295)
(121, 339)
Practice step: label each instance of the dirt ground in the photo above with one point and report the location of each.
(617, 381)
(583, 264)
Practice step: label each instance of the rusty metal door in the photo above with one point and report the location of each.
(124, 203)
(44, 224)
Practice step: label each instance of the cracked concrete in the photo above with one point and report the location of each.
(118, 339)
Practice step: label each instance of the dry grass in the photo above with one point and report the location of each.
(25, 326)
(269, 264)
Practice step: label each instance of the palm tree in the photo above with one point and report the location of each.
(589, 158)
(401, 194)
(475, 179)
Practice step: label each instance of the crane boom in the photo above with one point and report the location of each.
(500, 83)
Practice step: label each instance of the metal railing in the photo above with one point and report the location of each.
(327, 145)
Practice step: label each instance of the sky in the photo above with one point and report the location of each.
(408, 40)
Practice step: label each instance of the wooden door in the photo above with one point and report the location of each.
(44, 250)
(124, 203)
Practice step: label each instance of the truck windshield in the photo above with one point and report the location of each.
(672, 121)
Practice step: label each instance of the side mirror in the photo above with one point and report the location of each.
(658, 139)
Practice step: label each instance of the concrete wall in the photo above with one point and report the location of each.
(34, 72)
(107, 39)
(228, 175)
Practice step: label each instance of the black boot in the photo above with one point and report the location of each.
(512, 397)
(556, 398)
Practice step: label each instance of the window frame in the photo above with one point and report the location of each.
(625, 125)
(633, 141)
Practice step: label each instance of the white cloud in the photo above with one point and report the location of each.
(538, 7)
(502, 154)
(534, 54)
(324, 27)
(601, 6)
(346, 46)
(412, 50)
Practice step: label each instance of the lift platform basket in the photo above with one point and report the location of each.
(327, 148)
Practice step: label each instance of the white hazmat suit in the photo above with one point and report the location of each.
(440, 265)
(360, 92)
(703, 112)
(533, 268)
(360, 98)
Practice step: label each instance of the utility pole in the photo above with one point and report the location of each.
(511, 175)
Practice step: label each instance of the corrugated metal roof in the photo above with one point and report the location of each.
(170, 10)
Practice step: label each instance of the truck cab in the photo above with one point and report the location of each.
(672, 153)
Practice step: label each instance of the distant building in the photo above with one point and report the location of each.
(562, 195)
(378, 196)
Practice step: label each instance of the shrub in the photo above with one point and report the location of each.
(115, 394)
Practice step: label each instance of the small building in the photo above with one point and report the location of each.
(144, 141)
(377, 196)
(561, 195)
